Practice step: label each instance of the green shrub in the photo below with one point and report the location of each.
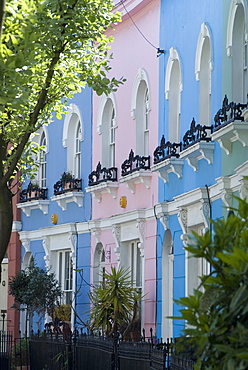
(217, 314)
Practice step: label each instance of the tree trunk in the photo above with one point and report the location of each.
(6, 219)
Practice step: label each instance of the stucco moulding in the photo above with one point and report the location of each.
(170, 165)
(34, 204)
(63, 199)
(102, 188)
(227, 135)
(198, 151)
(135, 178)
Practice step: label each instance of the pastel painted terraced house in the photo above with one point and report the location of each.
(202, 155)
(123, 187)
(150, 163)
(56, 209)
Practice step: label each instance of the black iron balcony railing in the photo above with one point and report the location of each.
(166, 150)
(195, 134)
(102, 175)
(229, 112)
(65, 186)
(32, 192)
(135, 163)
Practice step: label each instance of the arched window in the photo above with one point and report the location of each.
(142, 120)
(43, 164)
(173, 88)
(77, 166)
(112, 138)
(40, 138)
(140, 112)
(237, 50)
(72, 140)
(108, 127)
(203, 67)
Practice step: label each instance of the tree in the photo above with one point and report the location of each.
(49, 50)
(35, 290)
(216, 314)
(113, 301)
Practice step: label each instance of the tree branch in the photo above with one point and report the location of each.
(2, 16)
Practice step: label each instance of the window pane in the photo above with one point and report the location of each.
(78, 152)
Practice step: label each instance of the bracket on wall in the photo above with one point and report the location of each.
(170, 165)
(135, 178)
(63, 199)
(198, 151)
(27, 207)
(104, 187)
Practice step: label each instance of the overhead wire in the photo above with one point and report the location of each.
(159, 51)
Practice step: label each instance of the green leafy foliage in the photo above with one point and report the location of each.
(217, 313)
(49, 50)
(113, 301)
(35, 290)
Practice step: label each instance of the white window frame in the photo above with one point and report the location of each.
(238, 53)
(78, 160)
(173, 88)
(203, 69)
(140, 109)
(73, 120)
(65, 275)
(107, 129)
(40, 138)
(42, 162)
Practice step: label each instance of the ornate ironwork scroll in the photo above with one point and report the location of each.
(195, 134)
(65, 186)
(166, 150)
(102, 174)
(135, 163)
(32, 192)
(229, 112)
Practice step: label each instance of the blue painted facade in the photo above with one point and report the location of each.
(181, 24)
(44, 240)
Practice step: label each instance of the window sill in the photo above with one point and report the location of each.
(234, 131)
(135, 178)
(69, 197)
(198, 151)
(169, 165)
(104, 187)
(27, 207)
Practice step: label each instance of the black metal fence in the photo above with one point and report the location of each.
(14, 352)
(89, 352)
(50, 351)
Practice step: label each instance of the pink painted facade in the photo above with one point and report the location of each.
(126, 235)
